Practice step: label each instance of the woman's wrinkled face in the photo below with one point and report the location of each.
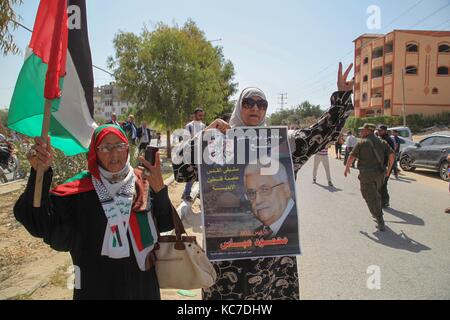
(252, 116)
(112, 155)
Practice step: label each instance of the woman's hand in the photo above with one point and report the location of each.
(220, 125)
(342, 83)
(153, 173)
(40, 155)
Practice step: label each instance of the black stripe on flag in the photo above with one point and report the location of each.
(80, 50)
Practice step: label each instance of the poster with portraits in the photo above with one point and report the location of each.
(248, 194)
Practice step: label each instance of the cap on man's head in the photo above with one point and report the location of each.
(382, 127)
(368, 126)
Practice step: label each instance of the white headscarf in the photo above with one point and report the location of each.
(236, 120)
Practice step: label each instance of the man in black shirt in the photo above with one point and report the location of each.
(384, 135)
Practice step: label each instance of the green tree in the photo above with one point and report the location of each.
(8, 23)
(169, 72)
(300, 115)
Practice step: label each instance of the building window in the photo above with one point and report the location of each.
(412, 47)
(366, 60)
(443, 71)
(389, 47)
(377, 72)
(108, 103)
(366, 78)
(387, 104)
(435, 91)
(411, 70)
(377, 53)
(364, 97)
(377, 93)
(388, 69)
(444, 48)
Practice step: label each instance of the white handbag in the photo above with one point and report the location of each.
(180, 262)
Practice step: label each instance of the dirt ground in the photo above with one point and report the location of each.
(25, 261)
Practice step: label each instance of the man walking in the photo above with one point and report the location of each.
(193, 128)
(371, 152)
(383, 135)
(130, 128)
(113, 120)
(144, 135)
(350, 143)
(322, 157)
(397, 143)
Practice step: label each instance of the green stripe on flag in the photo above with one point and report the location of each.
(26, 110)
(80, 176)
(144, 227)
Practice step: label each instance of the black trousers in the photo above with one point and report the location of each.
(385, 198)
(338, 149)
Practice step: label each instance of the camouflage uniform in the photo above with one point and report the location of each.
(372, 172)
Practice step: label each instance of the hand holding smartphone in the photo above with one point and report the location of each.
(150, 154)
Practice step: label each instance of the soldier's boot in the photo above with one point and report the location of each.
(380, 224)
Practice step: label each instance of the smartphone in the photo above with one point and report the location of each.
(150, 154)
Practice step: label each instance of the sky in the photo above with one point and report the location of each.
(283, 46)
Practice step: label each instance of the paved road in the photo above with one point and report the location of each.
(339, 240)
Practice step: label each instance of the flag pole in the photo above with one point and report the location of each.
(44, 136)
(52, 90)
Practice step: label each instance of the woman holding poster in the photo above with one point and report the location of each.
(272, 278)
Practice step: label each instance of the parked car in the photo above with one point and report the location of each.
(403, 132)
(404, 143)
(430, 153)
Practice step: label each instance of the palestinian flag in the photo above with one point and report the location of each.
(58, 66)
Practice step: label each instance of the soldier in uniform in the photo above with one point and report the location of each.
(371, 153)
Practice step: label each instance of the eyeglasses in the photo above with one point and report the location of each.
(249, 103)
(107, 148)
(264, 191)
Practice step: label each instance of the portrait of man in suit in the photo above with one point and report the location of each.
(272, 201)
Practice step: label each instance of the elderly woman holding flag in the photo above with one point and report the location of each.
(108, 217)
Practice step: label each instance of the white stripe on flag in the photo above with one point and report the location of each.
(73, 113)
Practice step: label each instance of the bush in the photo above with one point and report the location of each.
(63, 167)
(415, 122)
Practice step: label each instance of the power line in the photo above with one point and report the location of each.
(429, 16)
(322, 79)
(94, 66)
(405, 12)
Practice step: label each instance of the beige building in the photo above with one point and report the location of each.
(380, 60)
(107, 101)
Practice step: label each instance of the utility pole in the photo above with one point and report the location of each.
(404, 104)
(282, 99)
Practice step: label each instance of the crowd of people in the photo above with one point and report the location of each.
(109, 218)
(140, 136)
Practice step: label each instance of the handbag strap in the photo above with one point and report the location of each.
(178, 224)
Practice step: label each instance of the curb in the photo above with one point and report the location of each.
(17, 185)
(169, 180)
(12, 182)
